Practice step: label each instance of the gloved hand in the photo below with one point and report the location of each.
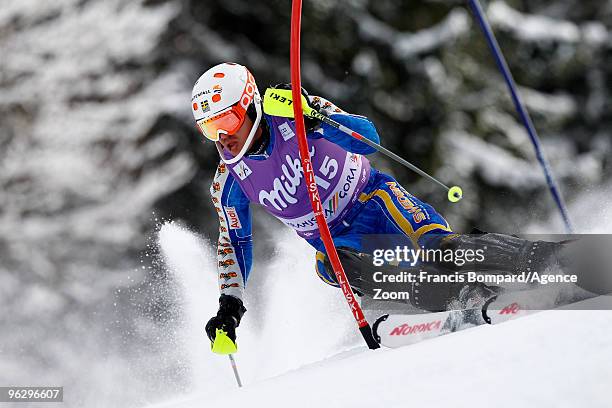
(227, 319)
(310, 123)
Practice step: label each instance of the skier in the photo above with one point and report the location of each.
(260, 163)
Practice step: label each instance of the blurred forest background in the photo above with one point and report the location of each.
(98, 146)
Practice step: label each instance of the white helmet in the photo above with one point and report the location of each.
(220, 100)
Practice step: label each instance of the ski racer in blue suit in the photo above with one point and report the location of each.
(260, 163)
(381, 209)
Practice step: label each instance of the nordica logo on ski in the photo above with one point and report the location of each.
(406, 329)
(513, 308)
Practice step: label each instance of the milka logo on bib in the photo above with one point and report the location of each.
(285, 186)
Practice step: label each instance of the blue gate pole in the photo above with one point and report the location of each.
(520, 107)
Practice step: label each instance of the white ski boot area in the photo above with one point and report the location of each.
(300, 348)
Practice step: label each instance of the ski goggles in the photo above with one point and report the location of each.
(227, 121)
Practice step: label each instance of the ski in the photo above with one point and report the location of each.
(397, 330)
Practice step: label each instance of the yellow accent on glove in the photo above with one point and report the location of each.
(223, 344)
(279, 102)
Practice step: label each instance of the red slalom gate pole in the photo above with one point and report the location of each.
(311, 184)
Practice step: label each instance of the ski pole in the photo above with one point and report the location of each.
(235, 368)
(520, 107)
(278, 102)
(222, 344)
(454, 193)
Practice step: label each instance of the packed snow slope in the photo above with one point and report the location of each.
(298, 343)
(299, 347)
(554, 358)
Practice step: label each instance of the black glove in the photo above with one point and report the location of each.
(227, 319)
(310, 123)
